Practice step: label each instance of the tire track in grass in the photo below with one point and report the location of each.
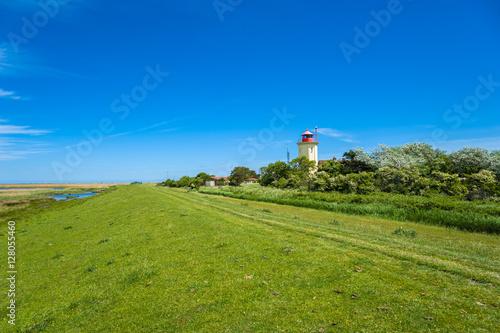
(447, 254)
(446, 266)
(444, 254)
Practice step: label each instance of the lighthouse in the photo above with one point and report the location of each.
(308, 146)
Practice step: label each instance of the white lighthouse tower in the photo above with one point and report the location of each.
(308, 147)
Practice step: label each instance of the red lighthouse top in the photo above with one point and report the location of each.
(307, 136)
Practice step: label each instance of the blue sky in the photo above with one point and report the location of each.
(99, 91)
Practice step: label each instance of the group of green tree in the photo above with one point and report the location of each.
(416, 168)
(238, 176)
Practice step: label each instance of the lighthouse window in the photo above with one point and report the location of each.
(311, 149)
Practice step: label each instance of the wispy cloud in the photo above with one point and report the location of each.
(9, 94)
(25, 64)
(490, 143)
(118, 134)
(347, 137)
(17, 154)
(13, 149)
(152, 126)
(3, 58)
(23, 130)
(168, 130)
(146, 128)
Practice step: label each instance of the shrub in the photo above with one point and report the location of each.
(281, 183)
(450, 184)
(406, 180)
(361, 183)
(481, 185)
(405, 232)
(320, 181)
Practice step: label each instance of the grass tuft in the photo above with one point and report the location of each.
(90, 269)
(57, 255)
(405, 232)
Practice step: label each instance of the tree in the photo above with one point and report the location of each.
(254, 174)
(221, 181)
(480, 185)
(468, 160)
(274, 172)
(302, 164)
(240, 175)
(204, 177)
(302, 170)
(495, 162)
(333, 168)
(361, 183)
(419, 154)
(354, 163)
(184, 181)
(407, 180)
(449, 184)
(169, 182)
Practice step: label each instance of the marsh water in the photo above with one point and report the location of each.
(60, 197)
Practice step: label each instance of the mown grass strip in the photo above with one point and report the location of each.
(450, 219)
(446, 265)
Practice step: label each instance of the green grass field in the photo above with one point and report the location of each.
(141, 258)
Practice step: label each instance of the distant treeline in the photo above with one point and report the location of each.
(238, 176)
(415, 168)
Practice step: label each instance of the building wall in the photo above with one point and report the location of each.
(309, 150)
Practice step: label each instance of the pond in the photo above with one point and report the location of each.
(73, 196)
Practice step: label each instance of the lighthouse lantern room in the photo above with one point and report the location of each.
(308, 146)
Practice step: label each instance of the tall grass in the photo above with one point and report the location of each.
(441, 211)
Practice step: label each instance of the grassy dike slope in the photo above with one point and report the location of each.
(146, 259)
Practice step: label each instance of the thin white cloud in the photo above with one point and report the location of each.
(25, 64)
(152, 126)
(17, 154)
(13, 149)
(167, 130)
(336, 134)
(3, 58)
(9, 94)
(118, 134)
(490, 143)
(23, 130)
